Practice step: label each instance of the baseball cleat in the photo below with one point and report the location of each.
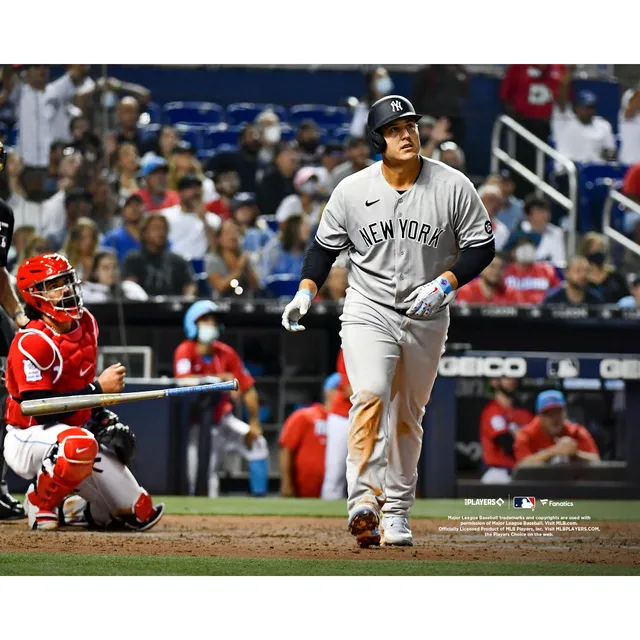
(363, 524)
(39, 519)
(127, 522)
(396, 532)
(10, 508)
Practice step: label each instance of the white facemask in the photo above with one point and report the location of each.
(309, 188)
(208, 333)
(272, 134)
(525, 253)
(384, 85)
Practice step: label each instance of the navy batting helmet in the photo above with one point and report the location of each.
(383, 112)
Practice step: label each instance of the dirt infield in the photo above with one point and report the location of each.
(617, 543)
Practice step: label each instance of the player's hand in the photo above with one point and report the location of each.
(566, 446)
(255, 431)
(286, 489)
(296, 309)
(440, 132)
(112, 379)
(428, 298)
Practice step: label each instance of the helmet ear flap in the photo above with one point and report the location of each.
(378, 142)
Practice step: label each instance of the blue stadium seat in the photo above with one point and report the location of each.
(594, 182)
(271, 222)
(192, 133)
(287, 133)
(206, 154)
(281, 285)
(244, 112)
(149, 133)
(155, 112)
(216, 135)
(323, 115)
(340, 134)
(193, 112)
(225, 148)
(202, 280)
(12, 138)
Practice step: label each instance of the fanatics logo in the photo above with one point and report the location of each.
(396, 106)
(31, 372)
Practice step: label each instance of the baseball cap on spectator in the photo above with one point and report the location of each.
(75, 195)
(134, 196)
(151, 163)
(550, 400)
(332, 148)
(332, 382)
(586, 99)
(184, 146)
(243, 199)
(188, 181)
(303, 175)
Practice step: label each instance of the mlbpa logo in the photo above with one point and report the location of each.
(524, 502)
(396, 105)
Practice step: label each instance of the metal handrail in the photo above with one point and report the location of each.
(608, 230)
(537, 179)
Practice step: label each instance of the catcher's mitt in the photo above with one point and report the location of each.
(112, 434)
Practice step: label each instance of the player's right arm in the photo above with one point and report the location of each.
(526, 455)
(331, 239)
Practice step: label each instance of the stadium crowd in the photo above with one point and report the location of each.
(144, 208)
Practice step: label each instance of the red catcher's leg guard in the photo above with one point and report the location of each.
(65, 468)
(143, 509)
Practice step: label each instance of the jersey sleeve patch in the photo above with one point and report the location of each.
(498, 423)
(183, 366)
(31, 372)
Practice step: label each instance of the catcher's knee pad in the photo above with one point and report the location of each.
(66, 465)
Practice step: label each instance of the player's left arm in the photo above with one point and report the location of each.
(8, 299)
(474, 236)
(247, 389)
(587, 447)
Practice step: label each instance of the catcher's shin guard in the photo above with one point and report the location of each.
(65, 466)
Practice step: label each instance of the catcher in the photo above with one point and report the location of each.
(86, 451)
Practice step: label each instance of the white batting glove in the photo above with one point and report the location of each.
(296, 309)
(429, 298)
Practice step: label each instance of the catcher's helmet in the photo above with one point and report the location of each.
(194, 313)
(383, 112)
(35, 278)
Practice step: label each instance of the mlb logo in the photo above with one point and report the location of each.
(526, 502)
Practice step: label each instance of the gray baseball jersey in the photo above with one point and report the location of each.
(398, 242)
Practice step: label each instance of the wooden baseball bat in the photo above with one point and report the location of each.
(65, 404)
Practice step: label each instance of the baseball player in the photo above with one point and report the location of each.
(202, 358)
(335, 472)
(85, 451)
(10, 508)
(415, 230)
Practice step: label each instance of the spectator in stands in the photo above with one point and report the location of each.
(103, 284)
(270, 131)
(157, 270)
(632, 301)
(547, 237)
(25, 211)
(308, 139)
(631, 260)
(155, 194)
(532, 279)
(76, 204)
(528, 92)
(22, 236)
(332, 157)
(35, 247)
(277, 181)
(184, 162)
(432, 134)
(358, 156)
(378, 84)
(335, 288)
(307, 201)
(125, 178)
(303, 444)
(631, 186)
(228, 266)
(452, 155)
(81, 246)
(226, 182)
(575, 290)
(128, 115)
(489, 287)
(491, 196)
(166, 141)
(244, 160)
(550, 438)
(580, 134)
(285, 253)
(441, 90)
(105, 204)
(500, 421)
(191, 226)
(126, 236)
(629, 126)
(603, 277)
(254, 231)
(512, 211)
(56, 153)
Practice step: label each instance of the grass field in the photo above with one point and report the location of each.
(232, 521)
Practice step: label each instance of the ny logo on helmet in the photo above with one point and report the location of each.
(396, 105)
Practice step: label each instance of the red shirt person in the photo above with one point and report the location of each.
(529, 90)
(303, 446)
(155, 194)
(551, 438)
(489, 286)
(500, 420)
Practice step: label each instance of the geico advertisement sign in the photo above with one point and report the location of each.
(489, 367)
(612, 368)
